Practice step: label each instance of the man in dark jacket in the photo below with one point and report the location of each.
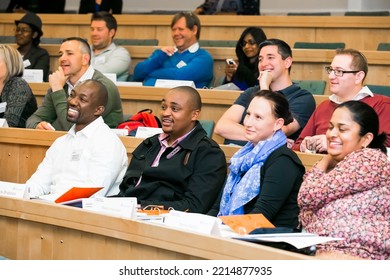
(180, 168)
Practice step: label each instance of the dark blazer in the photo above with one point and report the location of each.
(39, 59)
(186, 179)
(88, 6)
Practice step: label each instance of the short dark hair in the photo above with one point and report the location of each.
(280, 108)
(108, 18)
(84, 46)
(191, 21)
(366, 117)
(283, 48)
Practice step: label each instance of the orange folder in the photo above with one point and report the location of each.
(76, 193)
(244, 224)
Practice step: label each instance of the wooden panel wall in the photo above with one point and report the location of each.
(354, 31)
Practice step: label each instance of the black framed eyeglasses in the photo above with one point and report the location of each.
(338, 72)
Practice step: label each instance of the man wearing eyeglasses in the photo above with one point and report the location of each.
(183, 61)
(346, 73)
(275, 60)
(28, 33)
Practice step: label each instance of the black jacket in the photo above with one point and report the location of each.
(280, 179)
(190, 179)
(88, 6)
(39, 59)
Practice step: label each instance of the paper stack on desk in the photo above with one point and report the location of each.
(240, 227)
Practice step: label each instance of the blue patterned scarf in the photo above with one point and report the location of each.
(243, 183)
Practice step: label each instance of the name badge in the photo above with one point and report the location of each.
(14, 190)
(26, 63)
(124, 207)
(181, 64)
(76, 156)
(193, 222)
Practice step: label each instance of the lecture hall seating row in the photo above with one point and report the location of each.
(307, 65)
(22, 150)
(353, 31)
(134, 99)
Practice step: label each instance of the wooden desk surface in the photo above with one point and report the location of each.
(37, 230)
(43, 231)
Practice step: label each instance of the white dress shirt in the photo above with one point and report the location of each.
(92, 157)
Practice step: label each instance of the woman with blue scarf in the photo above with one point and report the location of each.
(265, 175)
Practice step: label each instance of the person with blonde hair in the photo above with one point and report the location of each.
(14, 90)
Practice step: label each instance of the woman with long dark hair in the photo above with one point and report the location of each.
(244, 72)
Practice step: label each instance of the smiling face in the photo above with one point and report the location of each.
(83, 105)
(343, 135)
(178, 114)
(347, 86)
(101, 36)
(72, 61)
(260, 122)
(271, 60)
(24, 34)
(182, 36)
(249, 46)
